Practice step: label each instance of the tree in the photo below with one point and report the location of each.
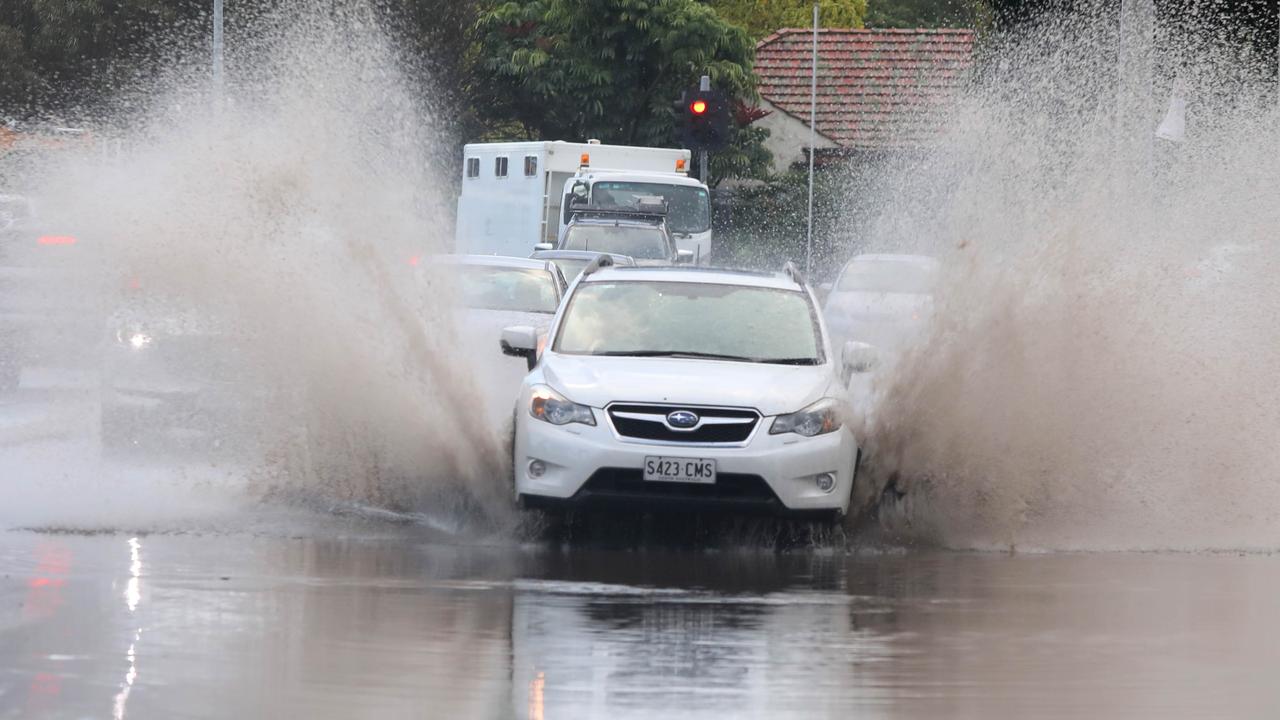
(607, 69)
(440, 39)
(761, 18)
(68, 55)
(926, 13)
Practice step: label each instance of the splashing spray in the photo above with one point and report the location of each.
(1100, 373)
(287, 220)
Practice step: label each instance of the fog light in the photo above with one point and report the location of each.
(826, 482)
(537, 469)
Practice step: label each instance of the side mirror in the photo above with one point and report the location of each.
(543, 246)
(684, 256)
(823, 292)
(859, 357)
(520, 341)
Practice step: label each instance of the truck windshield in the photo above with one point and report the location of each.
(641, 243)
(686, 319)
(689, 206)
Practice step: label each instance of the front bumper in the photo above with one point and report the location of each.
(591, 466)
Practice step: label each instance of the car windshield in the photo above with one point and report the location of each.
(896, 276)
(640, 242)
(686, 319)
(488, 287)
(688, 208)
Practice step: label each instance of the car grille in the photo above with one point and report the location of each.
(715, 426)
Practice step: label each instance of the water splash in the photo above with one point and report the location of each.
(289, 214)
(1101, 372)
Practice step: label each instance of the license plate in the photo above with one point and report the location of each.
(685, 470)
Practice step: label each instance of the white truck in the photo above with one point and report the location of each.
(516, 194)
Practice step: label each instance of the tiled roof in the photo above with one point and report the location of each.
(876, 88)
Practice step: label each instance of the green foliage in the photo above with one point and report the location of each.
(744, 157)
(70, 53)
(761, 18)
(440, 42)
(607, 69)
(926, 13)
(763, 225)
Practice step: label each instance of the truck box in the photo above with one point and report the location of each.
(513, 192)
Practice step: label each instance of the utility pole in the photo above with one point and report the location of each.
(1137, 68)
(1135, 104)
(813, 140)
(217, 53)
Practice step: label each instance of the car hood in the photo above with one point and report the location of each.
(771, 389)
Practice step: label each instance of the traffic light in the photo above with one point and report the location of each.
(702, 119)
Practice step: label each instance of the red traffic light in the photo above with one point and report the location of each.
(698, 107)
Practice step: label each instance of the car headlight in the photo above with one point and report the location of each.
(135, 339)
(819, 418)
(550, 406)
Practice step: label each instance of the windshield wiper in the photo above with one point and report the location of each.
(676, 354)
(790, 361)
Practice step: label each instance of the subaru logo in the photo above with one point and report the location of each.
(682, 419)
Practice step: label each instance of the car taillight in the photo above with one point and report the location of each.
(56, 240)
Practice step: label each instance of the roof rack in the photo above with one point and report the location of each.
(601, 261)
(793, 272)
(644, 210)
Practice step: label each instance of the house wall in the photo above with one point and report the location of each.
(788, 136)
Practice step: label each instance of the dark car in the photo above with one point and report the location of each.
(640, 233)
(176, 376)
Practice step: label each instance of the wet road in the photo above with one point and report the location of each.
(362, 620)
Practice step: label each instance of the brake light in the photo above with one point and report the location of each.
(414, 260)
(56, 240)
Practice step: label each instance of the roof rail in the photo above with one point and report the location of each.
(601, 261)
(648, 210)
(793, 272)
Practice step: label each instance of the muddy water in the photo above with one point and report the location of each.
(377, 622)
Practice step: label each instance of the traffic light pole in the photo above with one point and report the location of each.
(702, 120)
(704, 84)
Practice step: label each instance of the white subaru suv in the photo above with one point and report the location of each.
(681, 388)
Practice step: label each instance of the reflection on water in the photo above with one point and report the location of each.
(132, 596)
(390, 627)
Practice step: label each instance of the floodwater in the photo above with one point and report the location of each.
(343, 618)
(1100, 375)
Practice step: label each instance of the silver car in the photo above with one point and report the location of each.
(882, 299)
